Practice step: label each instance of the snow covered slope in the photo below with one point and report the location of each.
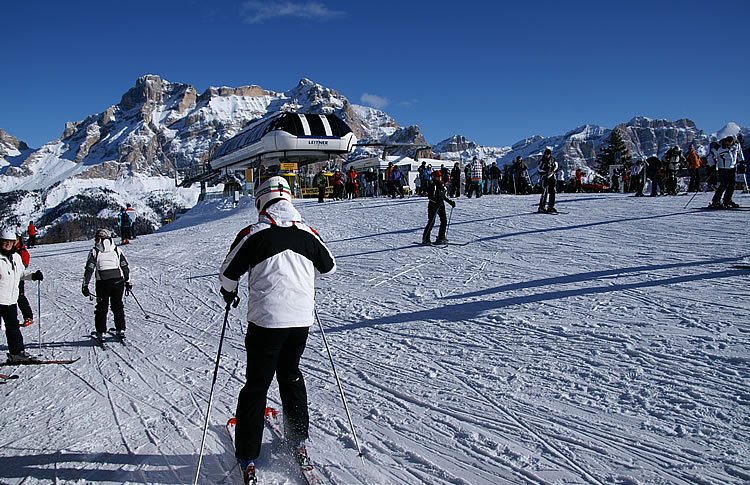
(607, 345)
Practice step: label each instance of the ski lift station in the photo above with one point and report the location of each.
(285, 137)
(408, 165)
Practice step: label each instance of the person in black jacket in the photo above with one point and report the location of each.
(455, 181)
(546, 169)
(654, 173)
(436, 207)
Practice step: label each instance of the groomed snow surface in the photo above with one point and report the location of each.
(609, 345)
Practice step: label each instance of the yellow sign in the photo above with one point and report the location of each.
(288, 166)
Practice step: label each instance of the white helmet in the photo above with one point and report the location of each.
(270, 190)
(8, 234)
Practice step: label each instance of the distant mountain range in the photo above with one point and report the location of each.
(131, 151)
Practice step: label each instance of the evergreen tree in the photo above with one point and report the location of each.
(615, 153)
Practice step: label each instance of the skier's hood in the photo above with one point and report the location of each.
(281, 213)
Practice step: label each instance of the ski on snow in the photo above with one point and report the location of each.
(273, 423)
(231, 424)
(113, 332)
(443, 245)
(99, 341)
(550, 213)
(41, 362)
(709, 208)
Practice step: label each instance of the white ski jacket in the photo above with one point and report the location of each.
(282, 257)
(727, 157)
(12, 271)
(107, 262)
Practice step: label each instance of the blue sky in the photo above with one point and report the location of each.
(492, 72)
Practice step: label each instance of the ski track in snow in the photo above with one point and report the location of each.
(604, 346)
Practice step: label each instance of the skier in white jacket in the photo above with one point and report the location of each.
(725, 158)
(282, 257)
(12, 271)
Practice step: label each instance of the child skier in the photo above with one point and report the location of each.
(23, 302)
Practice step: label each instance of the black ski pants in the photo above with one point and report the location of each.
(657, 185)
(432, 211)
(475, 187)
(727, 181)
(548, 189)
(455, 188)
(694, 185)
(269, 351)
(109, 294)
(23, 302)
(9, 314)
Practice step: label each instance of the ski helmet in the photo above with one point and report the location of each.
(271, 190)
(103, 234)
(8, 234)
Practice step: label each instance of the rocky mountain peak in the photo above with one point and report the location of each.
(9, 141)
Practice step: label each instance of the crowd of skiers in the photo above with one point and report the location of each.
(479, 178)
(105, 262)
(724, 161)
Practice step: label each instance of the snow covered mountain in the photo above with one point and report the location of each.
(130, 152)
(578, 148)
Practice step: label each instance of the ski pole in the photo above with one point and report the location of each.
(341, 389)
(146, 315)
(211, 394)
(691, 199)
(450, 214)
(39, 311)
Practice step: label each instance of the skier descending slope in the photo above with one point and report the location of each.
(282, 256)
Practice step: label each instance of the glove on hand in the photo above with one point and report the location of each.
(37, 276)
(128, 286)
(229, 296)
(453, 204)
(85, 290)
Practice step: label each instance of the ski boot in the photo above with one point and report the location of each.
(21, 358)
(551, 210)
(441, 241)
(426, 242)
(730, 205)
(715, 205)
(541, 210)
(301, 456)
